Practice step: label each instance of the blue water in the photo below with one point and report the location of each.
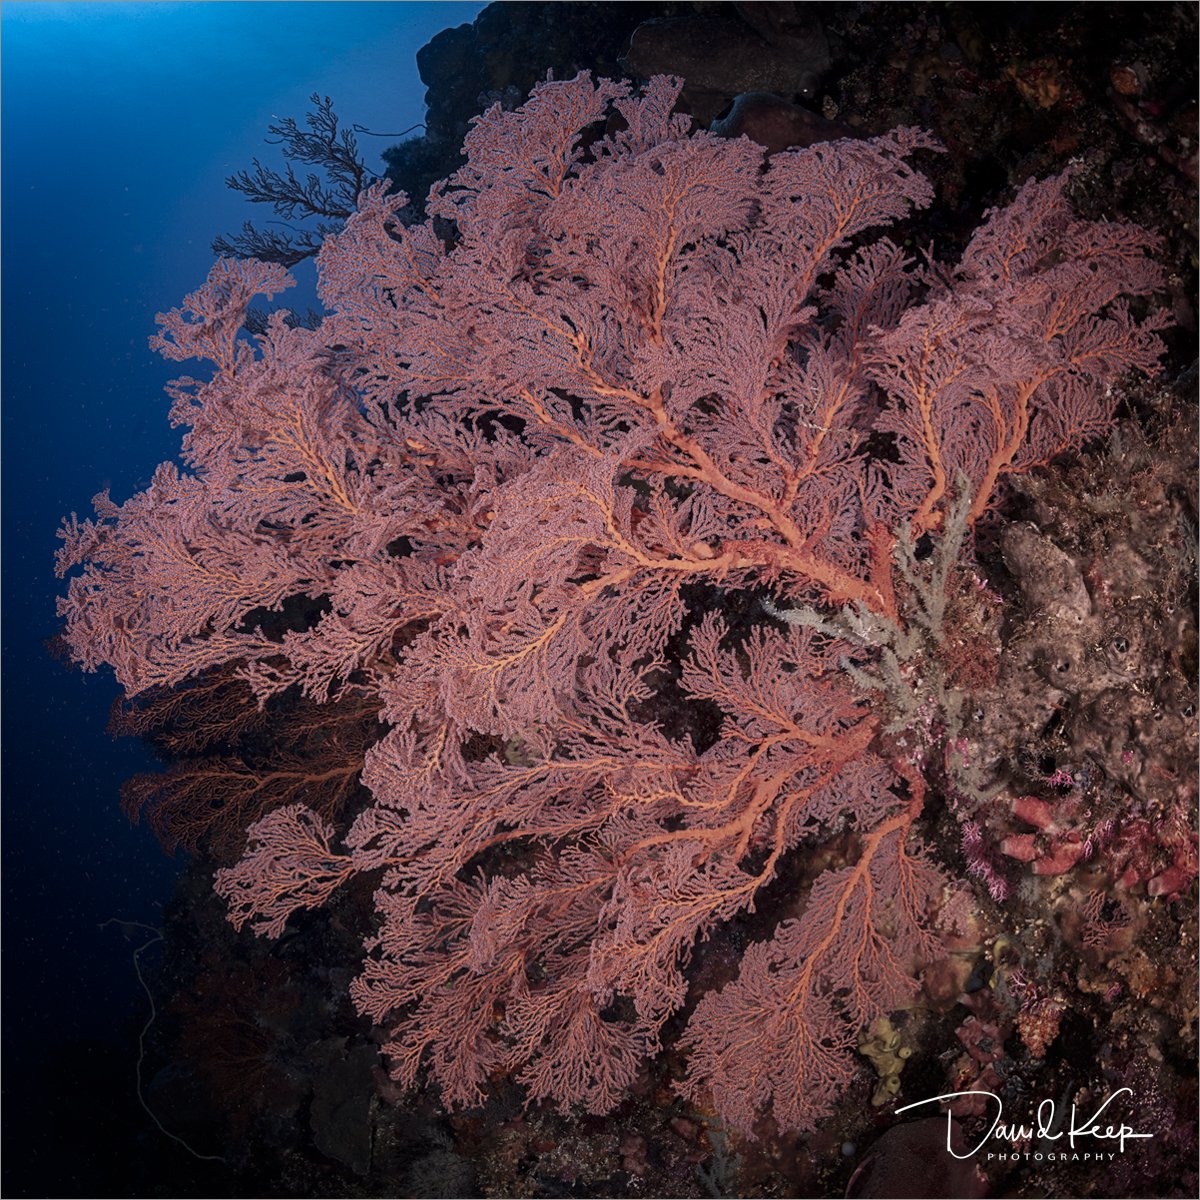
(120, 122)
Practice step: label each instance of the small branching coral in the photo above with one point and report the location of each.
(327, 199)
(230, 761)
(515, 470)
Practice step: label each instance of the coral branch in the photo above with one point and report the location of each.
(522, 491)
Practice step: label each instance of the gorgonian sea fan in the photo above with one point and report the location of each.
(537, 447)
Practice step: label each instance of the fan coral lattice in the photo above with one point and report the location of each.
(538, 446)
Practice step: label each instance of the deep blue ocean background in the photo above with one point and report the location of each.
(120, 123)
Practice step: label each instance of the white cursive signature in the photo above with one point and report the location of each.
(1043, 1126)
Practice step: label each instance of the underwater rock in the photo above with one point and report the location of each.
(911, 1160)
(341, 1104)
(721, 57)
(778, 124)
